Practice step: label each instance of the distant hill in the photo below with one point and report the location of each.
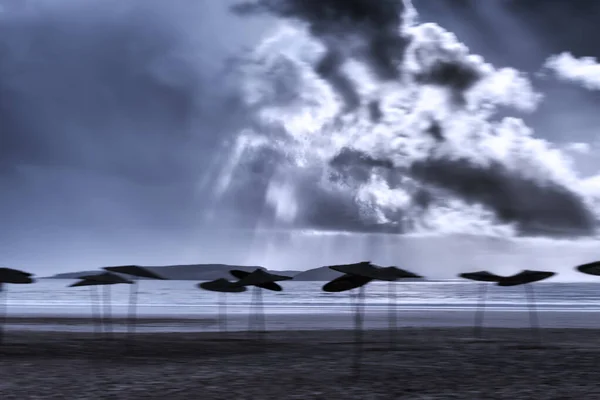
(317, 275)
(72, 275)
(192, 272)
(209, 272)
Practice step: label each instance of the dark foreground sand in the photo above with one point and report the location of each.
(429, 363)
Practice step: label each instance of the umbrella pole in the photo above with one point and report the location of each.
(3, 311)
(358, 330)
(131, 315)
(223, 312)
(480, 311)
(533, 319)
(252, 319)
(392, 316)
(131, 319)
(261, 312)
(107, 312)
(251, 313)
(96, 314)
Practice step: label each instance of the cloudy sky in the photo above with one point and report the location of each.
(162, 132)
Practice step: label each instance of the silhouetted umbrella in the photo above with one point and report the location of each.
(484, 277)
(95, 302)
(14, 276)
(592, 268)
(134, 271)
(105, 279)
(222, 286)
(345, 283)
(260, 279)
(365, 272)
(395, 273)
(524, 278)
(356, 277)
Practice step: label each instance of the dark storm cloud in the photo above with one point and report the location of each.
(455, 76)
(363, 29)
(351, 157)
(513, 198)
(537, 208)
(370, 32)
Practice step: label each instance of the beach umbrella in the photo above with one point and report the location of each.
(393, 274)
(13, 276)
(259, 279)
(135, 272)
(356, 276)
(525, 278)
(345, 283)
(95, 302)
(484, 278)
(222, 286)
(105, 279)
(365, 272)
(592, 268)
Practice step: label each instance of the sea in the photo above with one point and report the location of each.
(54, 297)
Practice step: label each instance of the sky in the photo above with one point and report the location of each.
(152, 132)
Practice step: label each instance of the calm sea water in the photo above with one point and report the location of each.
(53, 297)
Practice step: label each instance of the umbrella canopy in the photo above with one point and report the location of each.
(106, 279)
(525, 277)
(88, 282)
(259, 278)
(395, 273)
(590, 268)
(522, 278)
(9, 275)
(135, 270)
(14, 276)
(374, 272)
(222, 285)
(482, 276)
(346, 282)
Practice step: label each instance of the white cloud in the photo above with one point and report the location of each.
(584, 71)
(439, 153)
(579, 148)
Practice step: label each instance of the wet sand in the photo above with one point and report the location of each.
(427, 363)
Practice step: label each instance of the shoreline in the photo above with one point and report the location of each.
(582, 319)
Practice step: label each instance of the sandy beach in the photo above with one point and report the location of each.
(427, 363)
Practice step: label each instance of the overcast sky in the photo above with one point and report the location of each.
(113, 112)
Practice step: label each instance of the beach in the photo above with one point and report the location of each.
(427, 362)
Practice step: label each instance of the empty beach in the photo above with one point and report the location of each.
(54, 349)
(427, 362)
